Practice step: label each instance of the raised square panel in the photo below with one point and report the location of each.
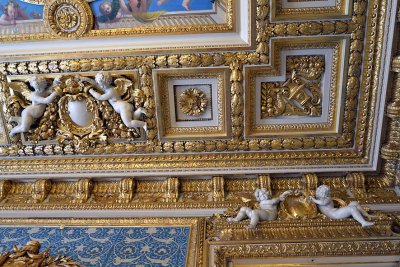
(192, 103)
(297, 10)
(303, 96)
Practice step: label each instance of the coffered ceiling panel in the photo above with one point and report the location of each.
(285, 86)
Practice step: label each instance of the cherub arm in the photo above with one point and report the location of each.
(106, 96)
(322, 202)
(44, 100)
(124, 7)
(5, 22)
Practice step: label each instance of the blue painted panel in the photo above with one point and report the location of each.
(107, 246)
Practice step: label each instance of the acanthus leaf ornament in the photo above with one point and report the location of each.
(193, 102)
(68, 18)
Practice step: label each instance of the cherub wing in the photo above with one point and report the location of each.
(122, 86)
(21, 88)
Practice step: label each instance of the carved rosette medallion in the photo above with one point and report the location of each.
(193, 102)
(68, 18)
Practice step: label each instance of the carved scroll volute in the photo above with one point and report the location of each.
(218, 184)
(126, 190)
(83, 190)
(356, 183)
(171, 186)
(5, 187)
(309, 183)
(40, 190)
(264, 181)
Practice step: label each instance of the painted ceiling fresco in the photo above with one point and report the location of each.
(13, 13)
(106, 246)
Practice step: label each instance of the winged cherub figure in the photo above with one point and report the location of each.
(40, 98)
(113, 94)
(267, 212)
(325, 205)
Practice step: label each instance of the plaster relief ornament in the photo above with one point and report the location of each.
(39, 98)
(113, 94)
(30, 256)
(325, 204)
(267, 212)
(68, 18)
(193, 102)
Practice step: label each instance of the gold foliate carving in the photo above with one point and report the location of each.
(126, 190)
(171, 186)
(218, 188)
(30, 256)
(5, 187)
(264, 181)
(83, 190)
(300, 94)
(310, 183)
(237, 102)
(226, 253)
(40, 190)
(356, 183)
(68, 18)
(193, 102)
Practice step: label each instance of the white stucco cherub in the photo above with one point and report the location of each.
(40, 98)
(113, 94)
(326, 206)
(267, 212)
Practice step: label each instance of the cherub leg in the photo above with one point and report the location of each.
(185, 4)
(255, 218)
(361, 210)
(242, 214)
(161, 2)
(355, 212)
(24, 124)
(126, 117)
(138, 113)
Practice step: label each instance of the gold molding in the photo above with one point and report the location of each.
(196, 238)
(227, 26)
(341, 10)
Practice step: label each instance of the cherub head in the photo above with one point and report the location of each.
(38, 83)
(33, 247)
(106, 7)
(11, 9)
(262, 194)
(323, 191)
(103, 78)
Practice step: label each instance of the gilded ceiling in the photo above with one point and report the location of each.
(298, 86)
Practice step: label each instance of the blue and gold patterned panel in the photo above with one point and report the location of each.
(106, 246)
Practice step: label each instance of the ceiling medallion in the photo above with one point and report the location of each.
(68, 18)
(193, 102)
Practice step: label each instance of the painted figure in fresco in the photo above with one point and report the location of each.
(113, 94)
(267, 212)
(40, 98)
(11, 13)
(185, 3)
(113, 10)
(326, 206)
